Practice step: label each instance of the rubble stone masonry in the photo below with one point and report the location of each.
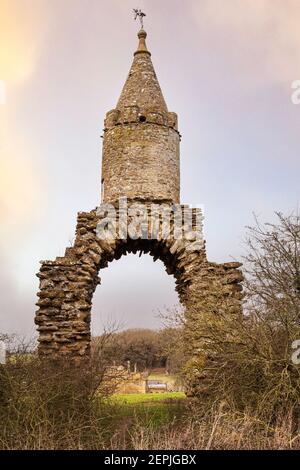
(140, 162)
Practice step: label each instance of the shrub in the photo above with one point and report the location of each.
(246, 360)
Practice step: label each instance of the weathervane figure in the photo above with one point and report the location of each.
(139, 14)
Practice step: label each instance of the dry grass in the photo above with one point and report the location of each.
(51, 406)
(218, 431)
(47, 405)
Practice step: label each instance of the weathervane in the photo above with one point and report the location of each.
(139, 14)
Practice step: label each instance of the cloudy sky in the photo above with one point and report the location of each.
(226, 68)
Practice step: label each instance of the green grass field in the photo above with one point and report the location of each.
(138, 398)
(155, 409)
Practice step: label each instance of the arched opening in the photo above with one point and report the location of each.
(127, 321)
(142, 119)
(133, 292)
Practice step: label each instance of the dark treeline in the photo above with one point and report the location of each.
(146, 348)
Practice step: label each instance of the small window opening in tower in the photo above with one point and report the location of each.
(142, 118)
(102, 190)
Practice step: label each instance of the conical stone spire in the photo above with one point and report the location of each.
(141, 139)
(142, 88)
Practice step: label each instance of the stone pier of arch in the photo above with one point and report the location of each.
(68, 283)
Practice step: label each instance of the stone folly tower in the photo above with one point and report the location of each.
(140, 162)
(141, 139)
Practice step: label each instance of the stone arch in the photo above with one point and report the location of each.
(67, 285)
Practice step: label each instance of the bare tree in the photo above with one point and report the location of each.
(246, 360)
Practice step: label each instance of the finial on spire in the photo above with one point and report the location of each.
(142, 48)
(138, 14)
